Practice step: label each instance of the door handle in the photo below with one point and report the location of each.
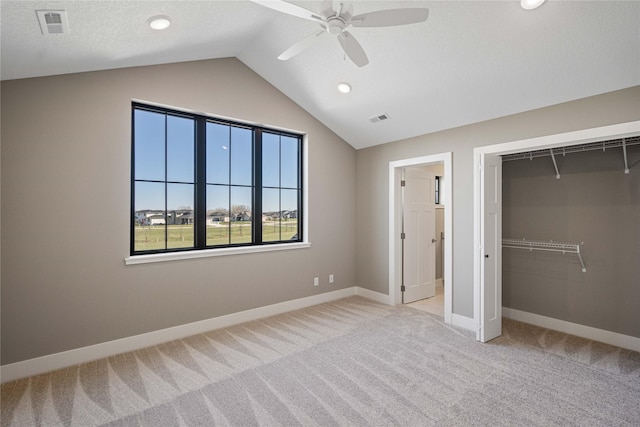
(486, 256)
(433, 240)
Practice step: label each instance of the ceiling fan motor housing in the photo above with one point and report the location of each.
(335, 25)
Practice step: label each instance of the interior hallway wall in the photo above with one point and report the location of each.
(373, 175)
(438, 170)
(439, 242)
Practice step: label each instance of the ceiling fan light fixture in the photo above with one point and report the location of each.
(160, 22)
(344, 87)
(531, 4)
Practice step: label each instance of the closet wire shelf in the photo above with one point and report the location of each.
(604, 146)
(550, 246)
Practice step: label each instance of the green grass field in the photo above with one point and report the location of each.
(149, 238)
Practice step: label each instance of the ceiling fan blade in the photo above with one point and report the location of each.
(326, 8)
(289, 9)
(353, 49)
(300, 46)
(391, 17)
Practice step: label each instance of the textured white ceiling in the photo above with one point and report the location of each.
(470, 61)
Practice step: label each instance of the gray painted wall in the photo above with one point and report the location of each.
(593, 201)
(66, 144)
(373, 172)
(438, 170)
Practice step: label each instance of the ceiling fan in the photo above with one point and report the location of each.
(336, 21)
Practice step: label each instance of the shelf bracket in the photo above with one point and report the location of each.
(555, 165)
(624, 151)
(584, 269)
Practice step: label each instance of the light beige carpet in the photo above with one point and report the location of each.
(433, 305)
(351, 362)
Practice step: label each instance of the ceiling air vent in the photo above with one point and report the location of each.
(53, 22)
(379, 118)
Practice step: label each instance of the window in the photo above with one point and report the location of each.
(200, 183)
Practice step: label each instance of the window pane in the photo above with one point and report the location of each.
(289, 217)
(289, 161)
(149, 145)
(217, 215)
(241, 215)
(180, 149)
(150, 219)
(271, 214)
(180, 216)
(270, 160)
(241, 156)
(218, 145)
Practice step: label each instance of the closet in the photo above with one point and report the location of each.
(571, 234)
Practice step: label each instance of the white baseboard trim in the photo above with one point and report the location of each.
(373, 295)
(76, 356)
(463, 322)
(595, 334)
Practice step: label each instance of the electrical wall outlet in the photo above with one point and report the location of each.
(331, 278)
(316, 281)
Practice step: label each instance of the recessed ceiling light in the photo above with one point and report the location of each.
(344, 87)
(531, 4)
(160, 22)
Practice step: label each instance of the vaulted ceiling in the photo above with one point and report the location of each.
(470, 61)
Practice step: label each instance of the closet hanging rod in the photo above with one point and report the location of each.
(550, 246)
(604, 145)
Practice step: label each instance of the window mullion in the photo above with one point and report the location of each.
(299, 187)
(200, 203)
(166, 185)
(280, 187)
(257, 187)
(229, 185)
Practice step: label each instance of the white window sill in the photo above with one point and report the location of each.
(177, 256)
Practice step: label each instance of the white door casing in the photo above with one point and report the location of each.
(395, 167)
(419, 228)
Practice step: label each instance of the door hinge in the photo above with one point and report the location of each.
(403, 183)
(402, 235)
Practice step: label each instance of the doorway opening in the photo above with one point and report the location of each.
(444, 239)
(488, 213)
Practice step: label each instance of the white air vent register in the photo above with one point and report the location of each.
(53, 22)
(379, 118)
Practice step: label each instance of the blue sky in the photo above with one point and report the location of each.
(229, 159)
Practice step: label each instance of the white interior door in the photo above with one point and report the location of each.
(491, 237)
(420, 229)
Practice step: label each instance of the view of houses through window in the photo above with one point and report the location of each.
(202, 183)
